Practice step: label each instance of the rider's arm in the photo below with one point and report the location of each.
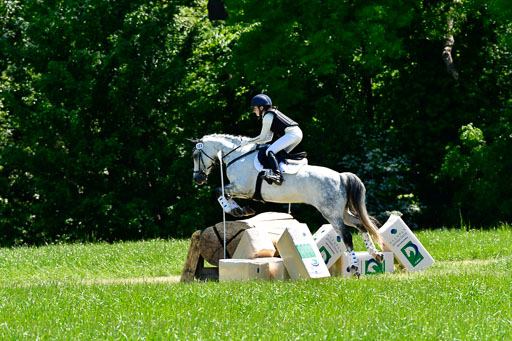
(266, 134)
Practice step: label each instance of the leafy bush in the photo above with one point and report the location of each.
(481, 173)
(384, 172)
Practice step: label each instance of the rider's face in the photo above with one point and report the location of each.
(256, 111)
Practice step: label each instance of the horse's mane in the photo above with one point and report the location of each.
(232, 138)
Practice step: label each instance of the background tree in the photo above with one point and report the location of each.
(368, 82)
(97, 98)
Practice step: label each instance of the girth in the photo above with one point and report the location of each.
(257, 191)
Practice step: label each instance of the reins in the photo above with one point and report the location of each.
(231, 151)
(241, 156)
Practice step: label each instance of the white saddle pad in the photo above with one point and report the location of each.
(291, 168)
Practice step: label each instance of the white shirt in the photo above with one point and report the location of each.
(266, 134)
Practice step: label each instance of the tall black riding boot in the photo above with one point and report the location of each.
(274, 175)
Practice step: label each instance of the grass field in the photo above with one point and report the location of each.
(129, 291)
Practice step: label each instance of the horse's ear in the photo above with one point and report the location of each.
(193, 141)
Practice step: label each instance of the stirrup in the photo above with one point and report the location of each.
(271, 177)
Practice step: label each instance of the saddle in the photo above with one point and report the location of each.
(288, 163)
(282, 157)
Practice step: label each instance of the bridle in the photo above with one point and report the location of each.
(201, 164)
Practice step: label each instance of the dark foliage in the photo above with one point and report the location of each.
(97, 98)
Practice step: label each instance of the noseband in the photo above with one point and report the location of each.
(202, 166)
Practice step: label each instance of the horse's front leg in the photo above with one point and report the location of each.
(229, 205)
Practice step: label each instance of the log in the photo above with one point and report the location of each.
(193, 259)
(194, 264)
(211, 241)
(211, 245)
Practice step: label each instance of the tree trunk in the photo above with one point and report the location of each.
(448, 46)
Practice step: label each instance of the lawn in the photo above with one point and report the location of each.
(129, 291)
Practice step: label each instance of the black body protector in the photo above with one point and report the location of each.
(279, 124)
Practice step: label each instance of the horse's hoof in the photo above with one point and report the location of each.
(247, 210)
(379, 258)
(354, 270)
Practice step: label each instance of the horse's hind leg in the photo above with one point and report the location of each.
(352, 220)
(343, 231)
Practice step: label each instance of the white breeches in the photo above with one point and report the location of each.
(290, 140)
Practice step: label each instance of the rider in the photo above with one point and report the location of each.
(274, 122)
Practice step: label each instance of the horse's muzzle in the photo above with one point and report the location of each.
(200, 179)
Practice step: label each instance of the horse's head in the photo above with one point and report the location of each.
(205, 158)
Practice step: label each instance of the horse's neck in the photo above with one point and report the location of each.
(225, 146)
(229, 150)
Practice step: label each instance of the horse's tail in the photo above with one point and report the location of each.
(356, 196)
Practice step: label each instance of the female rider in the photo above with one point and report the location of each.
(274, 122)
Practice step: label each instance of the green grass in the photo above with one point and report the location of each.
(80, 292)
(82, 262)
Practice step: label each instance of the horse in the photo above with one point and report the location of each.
(339, 197)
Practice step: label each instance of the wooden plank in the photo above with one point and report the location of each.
(193, 259)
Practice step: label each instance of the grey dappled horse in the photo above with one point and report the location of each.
(340, 197)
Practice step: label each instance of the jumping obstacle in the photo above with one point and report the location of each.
(208, 245)
(194, 264)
